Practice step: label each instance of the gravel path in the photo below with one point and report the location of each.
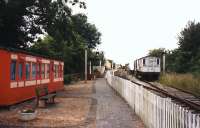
(112, 110)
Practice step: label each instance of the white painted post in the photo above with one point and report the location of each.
(90, 68)
(163, 63)
(86, 65)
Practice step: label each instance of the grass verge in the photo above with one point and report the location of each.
(187, 82)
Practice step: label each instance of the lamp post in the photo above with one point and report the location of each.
(86, 65)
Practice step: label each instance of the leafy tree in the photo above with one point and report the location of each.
(88, 31)
(17, 26)
(95, 57)
(22, 20)
(157, 52)
(44, 46)
(189, 47)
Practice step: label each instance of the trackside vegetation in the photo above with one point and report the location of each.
(187, 82)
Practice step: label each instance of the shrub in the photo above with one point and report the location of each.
(67, 79)
(28, 109)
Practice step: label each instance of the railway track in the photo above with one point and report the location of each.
(183, 98)
(185, 101)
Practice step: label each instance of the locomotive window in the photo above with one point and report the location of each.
(158, 61)
(20, 71)
(143, 61)
(43, 71)
(13, 70)
(33, 71)
(27, 71)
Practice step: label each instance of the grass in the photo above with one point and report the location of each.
(187, 82)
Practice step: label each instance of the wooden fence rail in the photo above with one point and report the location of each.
(154, 110)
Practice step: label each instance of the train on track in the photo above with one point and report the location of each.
(147, 67)
(21, 72)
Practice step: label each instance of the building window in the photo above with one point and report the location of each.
(47, 70)
(13, 70)
(158, 61)
(27, 71)
(33, 71)
(20, 71)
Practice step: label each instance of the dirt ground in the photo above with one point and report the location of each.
(74, 108)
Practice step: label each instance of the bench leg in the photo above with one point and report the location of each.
(51, 100)
(42, 103)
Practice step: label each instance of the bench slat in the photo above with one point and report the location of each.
(42, 94)
(48, 96)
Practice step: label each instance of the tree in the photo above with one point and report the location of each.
(157, 52)
(17, 26)
(189, 48)
(88, 31)
(95, 57)
(21, 21)
(44, 47)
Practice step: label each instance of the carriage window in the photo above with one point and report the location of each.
(48, 70)
(33, 71)
(61, 71)
(143, 61)
(27, 71)
(158, 61)
(20, 71)
(55, 71)
(43, 71)
(13, 70)
(38, 71)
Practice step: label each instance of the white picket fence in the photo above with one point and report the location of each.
(154, 110)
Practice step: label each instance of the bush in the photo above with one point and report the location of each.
(67, 79)
(187, 82)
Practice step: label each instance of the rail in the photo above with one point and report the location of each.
(190, 104)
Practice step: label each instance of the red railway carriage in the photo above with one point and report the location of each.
(21, 72)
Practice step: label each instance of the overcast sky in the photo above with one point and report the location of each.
(130, 28)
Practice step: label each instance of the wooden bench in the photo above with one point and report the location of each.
(42, 94)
